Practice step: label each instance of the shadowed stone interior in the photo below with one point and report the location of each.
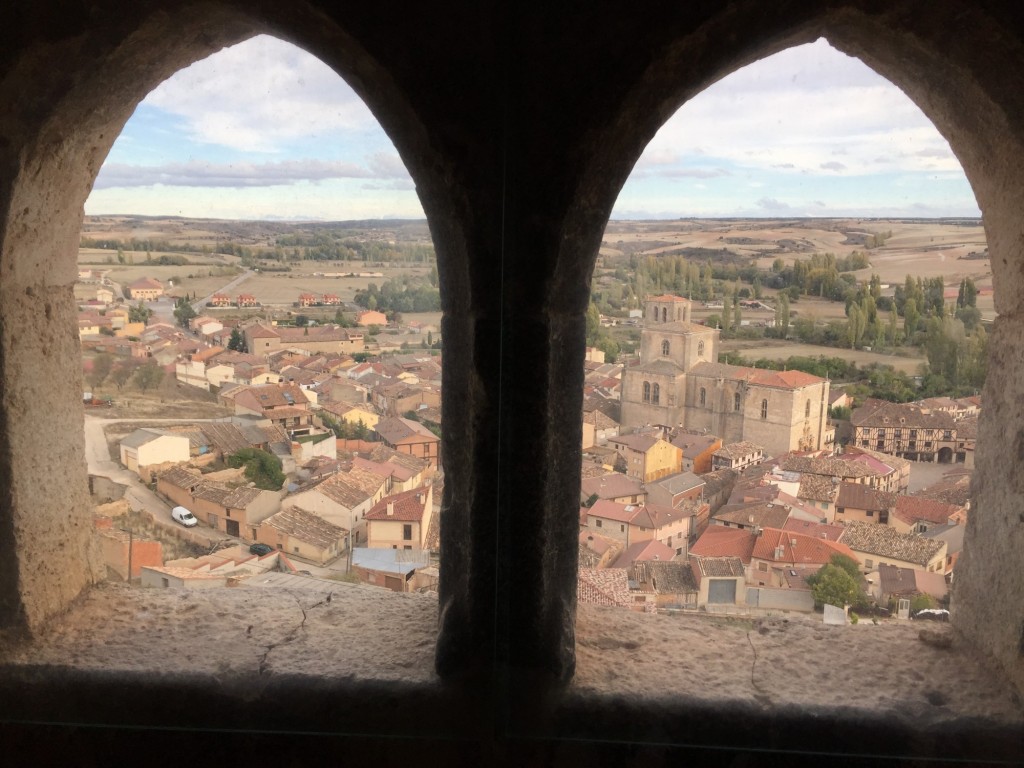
(519, 123)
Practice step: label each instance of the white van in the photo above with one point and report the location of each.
(184, 517)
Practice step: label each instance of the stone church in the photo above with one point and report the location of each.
(680, 383)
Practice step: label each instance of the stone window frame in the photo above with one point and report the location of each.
(655, 394)
(989, 123)
(764, 409)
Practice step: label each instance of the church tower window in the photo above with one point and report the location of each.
(647, 391)
(736, 401)
(656, 397)
(703, 397)
(664, 315)
(700, 349)
(764, 409)
(807, 410)
(664, 348)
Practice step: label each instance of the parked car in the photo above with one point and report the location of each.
(183, 516)
(260, 549)
(932, 614)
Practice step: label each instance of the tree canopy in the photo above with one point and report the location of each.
(261, 467)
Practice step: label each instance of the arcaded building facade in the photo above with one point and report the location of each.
(680, 383)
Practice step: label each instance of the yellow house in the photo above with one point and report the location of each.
(400, 521)
(647, 457)
(353, 414)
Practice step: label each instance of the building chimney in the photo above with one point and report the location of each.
(391, 508)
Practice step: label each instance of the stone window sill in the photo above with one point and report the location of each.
(247, 660)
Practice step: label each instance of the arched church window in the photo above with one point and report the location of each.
(700, 349)
(703, 397)
(664, 315)
(656, 397)
(764, 409)
(647, 391)
(664, 348)
(736, 401)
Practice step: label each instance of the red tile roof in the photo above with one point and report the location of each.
(406, 506)
(719, 541)
(797, 548)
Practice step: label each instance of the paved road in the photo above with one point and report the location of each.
(200, 305)
(98, 462)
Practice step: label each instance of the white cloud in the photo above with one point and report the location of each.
(260, 94)
(799, 109)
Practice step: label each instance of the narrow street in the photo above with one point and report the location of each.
(139, 497)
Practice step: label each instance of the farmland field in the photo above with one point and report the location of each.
(780, 350)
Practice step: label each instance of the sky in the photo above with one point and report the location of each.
(263, 130)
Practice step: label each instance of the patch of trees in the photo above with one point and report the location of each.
(327, 246)
(262, 468)
(183, 311)
(839, 583)
(345, 429)
(600, 337)
(406, 293)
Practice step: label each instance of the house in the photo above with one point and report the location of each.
(177, 484)
(720, 581)
(145, 289)
(104, 295)
(651, 549)
(697, 451)
(604, 586)
(719, 541)
(916, 514)
(284, 404)
(953, 535)
(303, 535)
(776, 552)
(647, 457)
(308, 300)
(353, 414)
(893, 471)
(913, 431)
(371, 317)
(399, 570)
(222, 568)
(234, 511)
(262, 339)
(875, 545)
(863, 504)
(631, 523)
(147, 447)
(247, 300)
(330, 299)
(343, 499)
(407, 436)
(669, 585)
(205, 325)
(896, 582)
(400, 521)
(220, 300)
(737, 456)
(599, 426)
(673, 490)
